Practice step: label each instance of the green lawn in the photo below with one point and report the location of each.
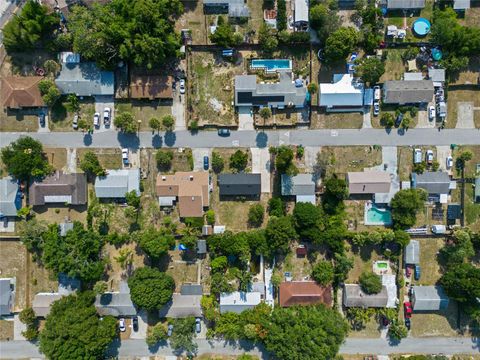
(61, 119)
(143, 110)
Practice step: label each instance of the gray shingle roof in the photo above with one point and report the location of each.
(301, 184)
(429, 298)
(58, 187)
(5, 297)
(407, 92)
(240, 184)
(405, 4)
(412, 253)
(10, 200)
(115, 304)
(436, 75)
(353, 296)
(182, 306)
(191, 289)
(236, 8)
(117, 183)
(434, 182)
(85, 79)
(42, 303)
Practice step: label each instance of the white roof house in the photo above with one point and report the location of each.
(239, 301)
(345, 92)
(301, 12)
(117, 183)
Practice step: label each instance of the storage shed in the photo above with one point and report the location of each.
(412, 253)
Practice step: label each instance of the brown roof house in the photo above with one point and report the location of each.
(59, 188)
(21, 92)
(304, 293)
(151, 87)
(189, 189)
(368, 182)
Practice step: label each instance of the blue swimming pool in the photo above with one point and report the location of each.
(421, 27)
(270, 65)
(377, 216)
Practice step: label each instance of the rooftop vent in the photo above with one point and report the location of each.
(191, 177)
(164, 178)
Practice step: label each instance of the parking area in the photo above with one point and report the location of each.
(141, 333)
(245, 118)
(261, 165)
(178, 111)
(101, 103)
(198, 155)
(465, 115)
(443, 152)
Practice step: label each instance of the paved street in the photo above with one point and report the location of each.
(260, 139)
(447, 346)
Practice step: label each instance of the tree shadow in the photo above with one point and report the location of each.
(87, 139)
(170, 138)
(130, 141)
(401, 131)
(262, 140)
(388, 130)
(157, 141)
(113, 349)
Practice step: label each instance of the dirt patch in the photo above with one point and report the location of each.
(182, 272)
(13, 264)
(110, 158)
(371, 330)
(6, 330)
(194, 20)
(341, 160)
(324, 120)
(59, 213)
(144, 111)
(20, 120)
(454, 97)
(438, 323)
(56, 157)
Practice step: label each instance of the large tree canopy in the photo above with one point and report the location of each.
(74, 331)
(141, 31)
(24, 158)
(405, 205)
(280, 233)
(31, 28)
(305, 332)
(155, 243)
(150, 288)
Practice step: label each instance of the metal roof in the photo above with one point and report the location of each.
(412, 253)
(85, 79)
(182, 306)
(436, 75)
(236, 8)
(42, 303)
(429, 298)
(477, 189)
(5, 297)
(434, 182)
(461, 4)
(407, 92)
(240, 184)
(10, 197)
(353, 296)
(117, 183)
(405, 4)
(345, 90)
(301, 184)
(301, 11)
(201, 246)
(238, 301)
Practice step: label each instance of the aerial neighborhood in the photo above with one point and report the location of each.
(240, 179)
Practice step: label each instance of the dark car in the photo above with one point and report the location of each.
(417, 272)
(41, 119)
(135, 323)
(408, 323)
(223, 132)
(398, 120)
(205, 163)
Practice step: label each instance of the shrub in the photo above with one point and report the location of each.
(164, 159)
(323, 273)
(370, 283)
(255, 215)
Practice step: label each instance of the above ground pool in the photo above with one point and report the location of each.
(421, 27)
(270, 65)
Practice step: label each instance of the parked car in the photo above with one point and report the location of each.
(182, 86)
(125, 156)
(407, 307)
(408, 271)
(431, 113)
(205, 163)
(169, 330)
(198, 325)
(223, 132)
(376, 93)
(398, 120)
(449, 162)
(96, 120)
(417, 156)
(106, 116)
(417, 272)
(439, 229)
(41, 119)
(376, 109)
(121, 325)
(385, 321)
(75, 122)
(135, 323)
(408, 323)
(429, 157)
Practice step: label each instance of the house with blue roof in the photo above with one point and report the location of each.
(84, 79)
(10, 197)
(117, 183)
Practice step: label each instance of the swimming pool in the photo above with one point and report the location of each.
(376, 216)
(421, 27)
(270, 65)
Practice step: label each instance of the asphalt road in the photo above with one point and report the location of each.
(260, 139)
(130, 348)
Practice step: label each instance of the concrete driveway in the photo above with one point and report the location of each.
(45, 128)
(102, 102)
(142, 326)
(178, 111)
(465, 115)
(261, 165)
(198, 155)
(423, 120)
(367, 118)
(310, 154)
(245, 118)
(442, 153)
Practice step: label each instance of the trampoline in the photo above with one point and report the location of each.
(421, 27)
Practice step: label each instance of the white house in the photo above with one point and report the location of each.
(239, 301)
(344, 94)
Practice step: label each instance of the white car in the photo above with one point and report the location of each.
(121, 325)
(376, 93)
(376, 109)
(431, 113)
(429, 157)
(449, 162)
(96, 120)
(182, 86)
(417, 156)
(75, 122)
(106, 116)
(125, 156)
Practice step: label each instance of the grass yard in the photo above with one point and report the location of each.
(61, 119)
(394, 66)
(363, 262)
(472, 16)
(58, 213)
(21, 120)
(13, 263)
(182, 272)
(371, 330)
(429, 249)
(299, 267)
(341, 160)
(194, 20)
(6, 330)
(468, 76)
(109, 158)
(221, 357)
(115, 272)
(56, 157)
(456, 96)
(324, 120)
(143, 110)
(285, 117)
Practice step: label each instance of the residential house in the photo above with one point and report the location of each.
(302, 186)
(477, 189)
(412, 253)
(117, 183)
(429, 298)
(234, 8)
(240, 184)
(300, 18)
(151, 87)
(285, 93)
(190, 190)
(117, 304)
(436, 183)
(42, 302)
(437, 76)
(460, 5)
(85, 79)
(10, 197)
(239, 301)
(293, 293)
(59, 188)
(6, 296)
(405, 4)
(368, 182)
(408, 92)
(20, 92)
(182, 306)
(345, 94)
(354, 296)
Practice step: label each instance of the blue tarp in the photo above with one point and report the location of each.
(227, 52)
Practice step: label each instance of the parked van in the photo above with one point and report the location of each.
(417, 156)
(439, 229)
(376, 93)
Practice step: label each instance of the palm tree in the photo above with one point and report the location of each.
(124, 258)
